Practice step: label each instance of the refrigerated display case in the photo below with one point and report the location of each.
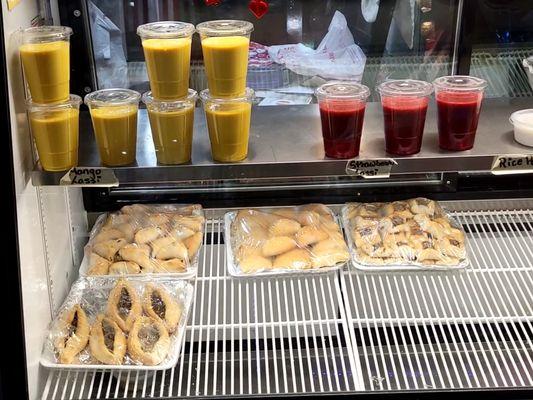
(347, 332)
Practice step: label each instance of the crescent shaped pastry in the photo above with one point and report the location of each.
(135, 209)
(107, 341)
(254, 262)
(172, 265)
(168, 247)
(124, 267)
(308, 218)
(195, 223)
(98, 265)
(72, 335)
(293, 259)
(108, 234)
(181, 232)
(148, 341)
(109, 248)
(124, 306)
(139, 254)
(278, 245)
(128, 231)
(309, 235)
(146, 235)
(422, 206)
(159, 305)
(193, 243)
(284, 227)
(117, 219)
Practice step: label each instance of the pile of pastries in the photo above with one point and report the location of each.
(130, 329)
(412, 232)
(146, 239)
(296, 238)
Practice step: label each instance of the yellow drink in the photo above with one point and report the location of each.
(226, 64)
(115, 128)
(47, 70)
(168, 63)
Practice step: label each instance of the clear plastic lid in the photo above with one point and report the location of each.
(247, 96)
(225, 27)
(43, 34)
(523, 117)
(74, 101)
(460, 83)
(165, 30)
(170, 105)
(112, 97)
(405, 87)
(342, 91)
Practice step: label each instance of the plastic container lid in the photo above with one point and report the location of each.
(112, 97)
(460, 83)
(43, 34)
(405, 87)
(165, 30)
(247, 96)
(524, 117)
(342, 91)
(225, 27)
(169, 105)
(74, 101)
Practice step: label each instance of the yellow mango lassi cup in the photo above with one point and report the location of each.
(45, 57)
(55, 128)
(172, 127)
(228, 123)
(167, 51)
(114, 118)
(225, 45)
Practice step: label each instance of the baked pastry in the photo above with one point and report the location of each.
(139, 254)
(146, 235)
(98, 265)
(181, 232)
(124, 268)
(193, 243)
(71, 334)
(195, 222)
(107, 341)
(124, 306)
(168, 247)
(422, 206)
(109, 248)
(293, 259)
(128, 231)
(148, 341)
(160, 305)
(278, 245)
(169, 266)
(309, 235)
(284, 227)
(107, 234)
(157, 219)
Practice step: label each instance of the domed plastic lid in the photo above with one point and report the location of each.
(225, 27)
(165, 30)
(343, 91)
(112, 97)
(247, 96)
(164, 105)
(460, 83)
(405, 87)
(74, 101)
(42, 34)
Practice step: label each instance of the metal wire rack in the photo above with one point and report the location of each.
(349, 331)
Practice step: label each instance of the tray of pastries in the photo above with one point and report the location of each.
(271, 241)
(141, 239)
(403, 235)
(107, 323)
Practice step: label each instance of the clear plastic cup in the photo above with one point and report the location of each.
(167, 51)
(225, 45)
(55, 128)
(405, 103)
(172, 127)
(459, 100)
(342, 111)
(45, 56)
(228, 123)
(114, 116)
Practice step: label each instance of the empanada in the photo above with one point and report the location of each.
(308, 218)
(148, 341)
(139, 254)
(196, 223)
(193, 243)
(127, 230)
(146, 235)
(109, 248)
(124, 306)
(181, 232)
(278, 245)
(309, 235)
(158, 219)
(293, 259)
(135, 209)
(107, 234)
(107, 341)
(173, 265)
(124, 268)
(168, 247)
(98, 265)
(72, 334)
(254, 262)
(160, 305)
(284, 227)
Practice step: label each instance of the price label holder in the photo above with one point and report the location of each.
(371, 168)
(89, 177)
(511, 164)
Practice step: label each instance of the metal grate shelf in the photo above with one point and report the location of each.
(350, 331)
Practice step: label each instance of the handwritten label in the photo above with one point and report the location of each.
(512, 164)
(370, 168)
(89, 176)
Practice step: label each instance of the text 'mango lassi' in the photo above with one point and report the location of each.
(225, 45)
(167, 51)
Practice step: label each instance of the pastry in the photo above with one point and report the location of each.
(181, 232)
(135, 209)
(254, 262)
(309, 235)
(124, 268)
(429, 254)
(196, 223)
(107, 234)
(308, 218)
(168, 247)
(422, 206)
(139, 254)
(107, 341)
(98, 265)
(451, 247)
(124, 306)
(366, 235)
(193, 243)
(146, 235)
(158, 219)
(116, 219)
(293, 259)
(365, 222)
(173, 265)
(72, 334)
(284, 227)
(127, 230)
(318, 208)
(148, 341)
(159, 304)
(109, 248)
(278, 245)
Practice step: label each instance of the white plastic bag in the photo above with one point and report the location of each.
(336, 57)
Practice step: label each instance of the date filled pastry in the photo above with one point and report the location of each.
(109, 248)
(278, 245)
(169, 247)
(124, 306)
(107, 341)
(98, 265)
(159, 305)
(124, 268)
(139, 254)
(148, 341)
(72, 334)
(451, 247)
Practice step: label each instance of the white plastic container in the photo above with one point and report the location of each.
(523, 125)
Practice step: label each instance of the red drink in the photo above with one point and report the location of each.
(342, 125)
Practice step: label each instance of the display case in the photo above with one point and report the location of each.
(347, 332)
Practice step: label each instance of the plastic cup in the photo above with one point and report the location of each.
(114, 117)
(342, 111)
(228, 123)
(167, 51)
(172, 127)
(55, 130)
(459, 100)
(46, 62)
(225, 45)
(405, 104)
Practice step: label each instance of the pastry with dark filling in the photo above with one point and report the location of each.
(107, 341)
(124, 306)
(148, 341)
(72, 335)
(160, 305)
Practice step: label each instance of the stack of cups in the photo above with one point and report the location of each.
(170, 103)
(227, 102)
(53, 112)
